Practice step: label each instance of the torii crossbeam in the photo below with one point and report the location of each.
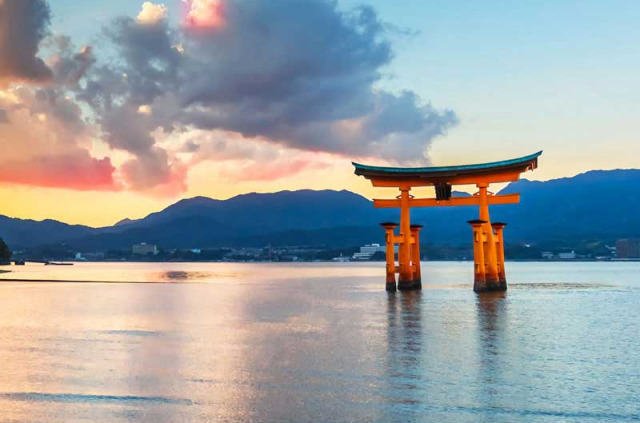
(488, 244)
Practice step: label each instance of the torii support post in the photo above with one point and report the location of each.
(498, 227)
(404, 254)
(490, 253)
(407, 281)
(391, 255)
(415, 255)
(479, 265)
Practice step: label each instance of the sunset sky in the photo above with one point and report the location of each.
(116, 108)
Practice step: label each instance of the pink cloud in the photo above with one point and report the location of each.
(204, 14)
(45, 142)
(78, 172)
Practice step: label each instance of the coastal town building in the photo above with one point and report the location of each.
(368, 251)
(628, 248)
(144, 249)
(340, 259)
(567, 255)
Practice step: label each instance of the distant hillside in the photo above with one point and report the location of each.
(267, 213)
(594, 204)
(598, 204)
(19, 233)
(283, 218)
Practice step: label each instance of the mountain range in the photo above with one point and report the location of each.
(597, 204)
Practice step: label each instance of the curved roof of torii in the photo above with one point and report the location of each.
(442, 173)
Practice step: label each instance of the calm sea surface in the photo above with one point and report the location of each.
(318, 343)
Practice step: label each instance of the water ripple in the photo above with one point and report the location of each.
(547, 413)
(80, 398)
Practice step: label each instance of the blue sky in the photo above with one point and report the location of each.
(522, 76)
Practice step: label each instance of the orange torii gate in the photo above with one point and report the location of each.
(488, 241)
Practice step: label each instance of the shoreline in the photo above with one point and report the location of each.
(632, 260)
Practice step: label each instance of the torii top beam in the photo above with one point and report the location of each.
(485, 173)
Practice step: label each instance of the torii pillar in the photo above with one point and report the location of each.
(415, 255)
(389, 228)
(407, 241)
(498, 227)
(490, 252)
(479, 263)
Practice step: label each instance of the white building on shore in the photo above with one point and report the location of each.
(144, 249)
(368, 251)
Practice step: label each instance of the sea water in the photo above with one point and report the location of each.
(119, 342)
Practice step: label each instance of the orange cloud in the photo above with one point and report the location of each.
(151, 13)
(205, 14)
(78, 172)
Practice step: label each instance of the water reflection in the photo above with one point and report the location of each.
(405, 345)
(183, 276)
(491, 309)
(155, 362)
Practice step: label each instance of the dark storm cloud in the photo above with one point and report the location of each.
(23, 25)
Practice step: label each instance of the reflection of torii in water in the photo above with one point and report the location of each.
(488, 244)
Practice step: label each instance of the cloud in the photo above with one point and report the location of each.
(45, 142)
(76, 171)
(122, 94)
(156, 173)
(68, 64)
(23, 25)
(206, 14)
(49, 140)
(295, 73)
(279, 84)
(151, 13)
(241, 159)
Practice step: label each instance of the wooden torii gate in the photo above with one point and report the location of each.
(488, 241)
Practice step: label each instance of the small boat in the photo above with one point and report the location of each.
(53, 263)
(19, 263)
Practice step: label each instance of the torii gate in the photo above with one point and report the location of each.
(488, 241)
